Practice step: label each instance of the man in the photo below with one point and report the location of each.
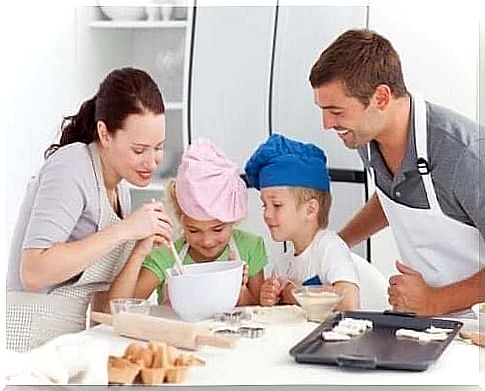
(426, 163)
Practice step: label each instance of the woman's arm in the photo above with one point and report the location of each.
(41, 268)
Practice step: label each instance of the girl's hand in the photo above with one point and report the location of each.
(270, 292)
(148, 220)
(143, 247)
(244, 294)
(245, 277)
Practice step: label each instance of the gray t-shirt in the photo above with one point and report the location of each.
(61, 205)
(456, 148)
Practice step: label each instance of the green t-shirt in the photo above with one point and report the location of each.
(251, 249)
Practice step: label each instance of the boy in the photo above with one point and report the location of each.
(295, 190)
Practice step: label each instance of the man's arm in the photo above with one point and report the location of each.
(369, 220)
(462, 294)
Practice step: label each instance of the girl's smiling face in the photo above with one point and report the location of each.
(207, 239)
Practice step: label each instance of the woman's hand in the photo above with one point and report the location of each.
(148, 220)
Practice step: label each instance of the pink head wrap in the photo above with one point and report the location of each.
(208, 185)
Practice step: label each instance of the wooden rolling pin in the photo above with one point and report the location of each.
(176, 333)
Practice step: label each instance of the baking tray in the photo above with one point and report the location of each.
(377, 347)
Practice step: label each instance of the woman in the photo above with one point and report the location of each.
(75, 230)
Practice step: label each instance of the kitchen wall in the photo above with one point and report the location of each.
(41, 85)
(47, 78)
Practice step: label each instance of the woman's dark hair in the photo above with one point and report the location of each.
(123, 92)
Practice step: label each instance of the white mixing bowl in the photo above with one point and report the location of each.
(205, 289)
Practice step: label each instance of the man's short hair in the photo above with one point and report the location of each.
(362, 60)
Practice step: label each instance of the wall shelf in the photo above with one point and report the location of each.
(138, 24)
(174, 105)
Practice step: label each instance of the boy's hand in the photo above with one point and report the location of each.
(270, 292)
(287, 293)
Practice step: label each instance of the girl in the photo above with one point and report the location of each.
(209, 198)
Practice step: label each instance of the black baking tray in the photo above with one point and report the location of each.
(377, 347)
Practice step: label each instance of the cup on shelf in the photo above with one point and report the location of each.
(166, 11)
(122, 13)
(179, 13)
(153, 12)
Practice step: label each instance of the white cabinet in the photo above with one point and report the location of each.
(160, 47)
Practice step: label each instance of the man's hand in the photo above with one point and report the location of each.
(409, 292)
(270, 292)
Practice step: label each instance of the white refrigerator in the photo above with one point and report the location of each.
(248, 78)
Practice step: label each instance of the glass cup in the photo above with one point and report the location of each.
(130, 305)
(318, 302)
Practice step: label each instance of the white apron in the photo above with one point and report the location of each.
(183, 253)
(442, 249)
(35, 318)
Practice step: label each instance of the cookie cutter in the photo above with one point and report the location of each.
(233, 317)
(251, 332)
(244, 331)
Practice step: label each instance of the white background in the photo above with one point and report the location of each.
(40, 78)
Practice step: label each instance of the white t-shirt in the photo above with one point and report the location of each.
(327, 256)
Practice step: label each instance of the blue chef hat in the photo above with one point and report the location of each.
(281, 161)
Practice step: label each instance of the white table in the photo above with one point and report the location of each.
(266, 361)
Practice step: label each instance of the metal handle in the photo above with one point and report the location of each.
(400, 313)
(347, 360)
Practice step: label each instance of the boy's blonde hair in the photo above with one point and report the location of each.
(324, 199)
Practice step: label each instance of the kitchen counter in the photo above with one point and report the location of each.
(266, 361)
